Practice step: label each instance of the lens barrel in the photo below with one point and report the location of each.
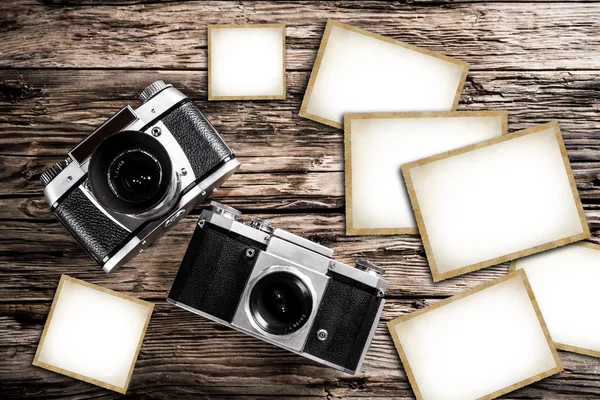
(134, 175)
(131, 173)
(280, 303)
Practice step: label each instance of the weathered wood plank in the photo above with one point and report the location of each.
(357, 4)
(34, 251)
(47, 112)
(298, 190)
(491, 35)
(186, 355)
(292, 190)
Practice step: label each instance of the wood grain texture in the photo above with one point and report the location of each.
(184, 354)
(173, 35)
(66, 65)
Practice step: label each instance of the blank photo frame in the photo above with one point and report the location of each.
(360, 71)
(93, 334)
(246, 62)
(376, 146)
(495, 201)
(569, 272)
(480, 344)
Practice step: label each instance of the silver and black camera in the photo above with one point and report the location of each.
(137, 175)
(281, 288)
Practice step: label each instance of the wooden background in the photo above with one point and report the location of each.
(67, 65)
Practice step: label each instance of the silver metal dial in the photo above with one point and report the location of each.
(152, 90)
(368, 267)
(225, 211)
(52, 172)
(262, 225)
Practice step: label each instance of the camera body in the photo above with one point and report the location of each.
(281, 288)
(137, 175)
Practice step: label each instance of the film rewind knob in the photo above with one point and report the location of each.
(369, 268)
(262, 225)
(226, 211)
(52, 172)
(152, 90)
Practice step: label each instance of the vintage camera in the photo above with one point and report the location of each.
(138, 174)
(281, 288)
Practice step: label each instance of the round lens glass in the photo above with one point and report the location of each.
(134, 176)
(280, 303)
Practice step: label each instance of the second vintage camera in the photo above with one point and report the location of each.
(137, 175)
(281, 288)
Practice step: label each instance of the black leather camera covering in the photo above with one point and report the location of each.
(201, 143)
(98, 234)
(94, 231)
(213, 274)
(347, 313)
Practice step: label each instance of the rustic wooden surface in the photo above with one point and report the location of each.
(67, 65)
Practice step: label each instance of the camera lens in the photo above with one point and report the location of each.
(131, 173)
(280, 303)
(134, 175)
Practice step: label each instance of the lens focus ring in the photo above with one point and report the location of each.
(134, 175)
(131, 173)
(280, 303)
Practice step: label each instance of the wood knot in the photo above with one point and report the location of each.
(13, 91)
(353, 383)
(418, 304)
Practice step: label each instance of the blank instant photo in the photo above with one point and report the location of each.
(246, 62)
(93, 334)
(480, 344)
(565, 283)
(359, 71)
(376, 146)
(495, 201)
